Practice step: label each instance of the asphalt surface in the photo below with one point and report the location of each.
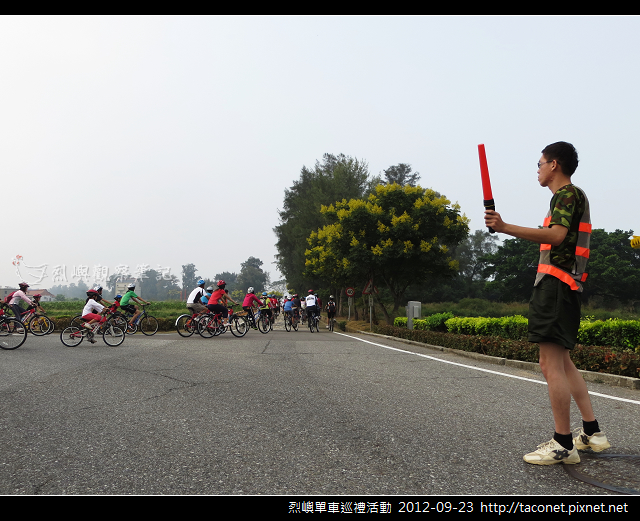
(280, 414)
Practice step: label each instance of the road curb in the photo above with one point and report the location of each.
(589, 376)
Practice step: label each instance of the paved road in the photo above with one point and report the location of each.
(282, 414)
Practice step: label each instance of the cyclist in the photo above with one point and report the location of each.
(331, 309)
(216, 302)
(36, 304)
(91, 306)
(204, 299)
(16, 297)
(116, 302)
(265, 309)
(194, 301)
(247, 304)
(296, 305)
(130, 296)
(312, 305)
(288, 307)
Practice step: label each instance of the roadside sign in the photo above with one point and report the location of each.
(367, 289)
(350, 292)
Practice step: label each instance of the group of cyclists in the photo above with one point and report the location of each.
(216, 300)
(200, 300)
(94, 308)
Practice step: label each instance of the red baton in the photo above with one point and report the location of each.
(486, 182)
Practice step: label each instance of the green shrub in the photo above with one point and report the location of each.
(400, 322)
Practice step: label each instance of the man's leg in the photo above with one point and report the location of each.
(552, 364)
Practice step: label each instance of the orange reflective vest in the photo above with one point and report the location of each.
(578, 274)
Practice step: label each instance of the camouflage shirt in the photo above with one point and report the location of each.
(567, 206)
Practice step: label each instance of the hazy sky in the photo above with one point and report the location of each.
(162, 141)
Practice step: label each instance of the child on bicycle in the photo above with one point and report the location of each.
(92, 311)
(130, 296)
(36, 304)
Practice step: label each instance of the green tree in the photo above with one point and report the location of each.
(189, 277)
(251, 274)
(334, 178)
(399, 235)
(400, 174)
(512, 269)
(613, 268)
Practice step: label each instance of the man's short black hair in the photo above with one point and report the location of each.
(565, 154)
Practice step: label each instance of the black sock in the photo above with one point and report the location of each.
(590, 428)
(566, 440)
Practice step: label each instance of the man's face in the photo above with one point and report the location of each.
(545, 171)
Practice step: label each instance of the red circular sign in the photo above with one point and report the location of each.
(350, 292)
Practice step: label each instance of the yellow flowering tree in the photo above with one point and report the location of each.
(399, 235)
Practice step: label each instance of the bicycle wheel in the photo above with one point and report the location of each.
(316, 321)
(40, 325)
(71, 336)
(186, 326)
(12, 333)
(263, 324)
(76, 321)
(112, 335)
(118, 321)
(310, 323)
(287, 324)
(148, 325)
(207, 326)
(239, 326)
(294, 324)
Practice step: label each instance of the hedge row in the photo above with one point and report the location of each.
(619, 335)
(589, 358)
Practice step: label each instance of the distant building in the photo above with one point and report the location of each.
(46, 296)
(121, 287)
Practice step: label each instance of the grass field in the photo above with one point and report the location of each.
(166, 309)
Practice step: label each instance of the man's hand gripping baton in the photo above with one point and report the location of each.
(486, 182)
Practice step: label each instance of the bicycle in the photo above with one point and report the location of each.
(313, 323)
(264, 322)
(146, 323)
(187, 325)
(13, 333)
(112, 314)
(291, 322)
(36, 323)
(211, 325)
(112, 335)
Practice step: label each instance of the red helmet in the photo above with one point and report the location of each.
(37, 295)
(221, 283)
(310, 291)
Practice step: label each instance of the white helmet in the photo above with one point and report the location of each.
(131, 286)
(250, 290)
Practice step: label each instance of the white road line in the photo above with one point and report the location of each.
(637, 402)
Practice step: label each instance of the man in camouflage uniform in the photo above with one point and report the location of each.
(554, 309)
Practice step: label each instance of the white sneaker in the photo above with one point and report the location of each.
(597, 442)
(552, 452)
